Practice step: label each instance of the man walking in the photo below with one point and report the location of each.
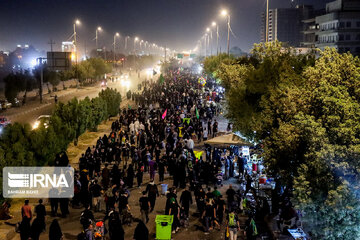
(233, 224)
(144, 207)
(153, 192)
(186, 200)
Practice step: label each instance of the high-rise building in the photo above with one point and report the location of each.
(286, 24)
(310, 28)
(340, 26)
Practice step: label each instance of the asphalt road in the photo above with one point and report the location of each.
(32, 110)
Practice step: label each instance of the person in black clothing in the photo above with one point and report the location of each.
(230, 197)
(36, 229)
(209, 215)
(95, 190)
(144, 207)
(220, 209)
(55, 231)
(174, 210)
(209, 127)
(130, 176)
(40, 214)
(186, 200)
(141, 232)
(200, 199)
(248, 183)
(161, 166)
(64, 207)
(86, 217)
(116, 231)
(215, 128)
(140, 174)
(153, 192)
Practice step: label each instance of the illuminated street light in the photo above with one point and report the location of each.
(217, 36)
(135, 40)
(77, 22)
(126, 38)
(115, 36)
(98, 29)
(224, 13)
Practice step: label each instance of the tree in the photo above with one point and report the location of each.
(100, 67)
(17, 82)
(112, 99)
(212, 63)
(305, 112)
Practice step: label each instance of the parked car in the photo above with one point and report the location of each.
(42, 120)
(5, 104)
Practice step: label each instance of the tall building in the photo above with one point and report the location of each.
(310, 28)
(286, 24)
(340, 26)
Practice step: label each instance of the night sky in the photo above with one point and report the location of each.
(178, 24)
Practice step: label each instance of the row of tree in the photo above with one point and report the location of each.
(305, 111)
(23, 81)
(22, 146)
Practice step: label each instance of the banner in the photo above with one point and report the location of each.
(164, 114)
(198, 154)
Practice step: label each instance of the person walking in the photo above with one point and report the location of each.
(130, 176)
(116, 230)
(186, 200)
(144, 207)
(232, 223)
(209, 128)
(25, 223)
(55, 232)
(36, 229)
(174, 210)
(161, 167)
(215, 128)
(141, 232)
(153, 192)
(139, 175)
(95, 191)
(41, 213)
(230, 197)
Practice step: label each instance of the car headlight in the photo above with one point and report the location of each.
(36, 125)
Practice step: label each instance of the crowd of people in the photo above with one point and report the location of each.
(156, 137)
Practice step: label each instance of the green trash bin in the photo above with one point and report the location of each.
(163, 226)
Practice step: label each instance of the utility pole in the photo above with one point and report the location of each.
(267, 22)
(228, 40)
(217, 39)
(51, 43)
(40, 62)
(211, 43)
(165, 53)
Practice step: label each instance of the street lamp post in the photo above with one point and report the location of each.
(267, 21)
(146, 45)
(77, 22)
(115, 35)
(141, 42)
(210, 39)
(98, 29)
(135, 40)
(205, 43)
(217, 37)
(225, 13)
